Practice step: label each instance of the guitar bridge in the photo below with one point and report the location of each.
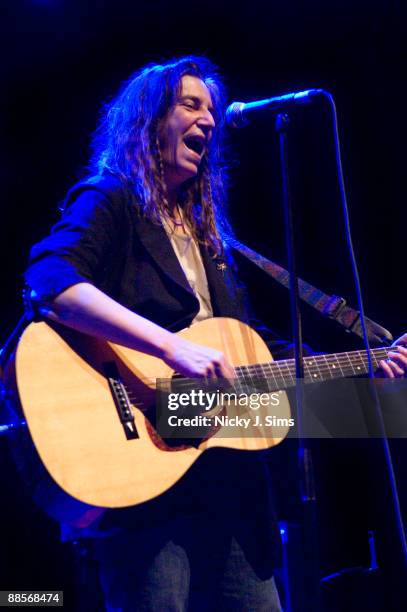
(121, 400)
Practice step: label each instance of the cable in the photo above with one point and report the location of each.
(379, 416)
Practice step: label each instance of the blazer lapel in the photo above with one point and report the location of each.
(157, 243)
(217, 274)
(224, 293)
(227, 296)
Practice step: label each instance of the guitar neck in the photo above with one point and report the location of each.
(281, 374)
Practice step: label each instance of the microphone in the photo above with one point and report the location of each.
(237, 113)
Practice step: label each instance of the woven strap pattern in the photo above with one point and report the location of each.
(330, 306)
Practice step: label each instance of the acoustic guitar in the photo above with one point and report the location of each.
(89, 408)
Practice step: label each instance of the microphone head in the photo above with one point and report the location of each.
(238, 112)
(234, 115)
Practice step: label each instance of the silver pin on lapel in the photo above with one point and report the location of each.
(221, 267)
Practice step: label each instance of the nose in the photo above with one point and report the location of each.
(206, 120)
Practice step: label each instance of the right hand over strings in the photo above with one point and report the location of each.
(195, 360)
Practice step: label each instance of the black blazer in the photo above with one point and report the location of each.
(102, 239)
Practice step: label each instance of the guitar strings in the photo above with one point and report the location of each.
(335, 364)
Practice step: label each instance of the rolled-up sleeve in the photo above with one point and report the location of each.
(79, 245)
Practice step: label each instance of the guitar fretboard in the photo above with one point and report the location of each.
(281, 374)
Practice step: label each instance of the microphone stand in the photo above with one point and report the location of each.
(311, 572)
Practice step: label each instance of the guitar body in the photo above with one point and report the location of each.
(61, 386)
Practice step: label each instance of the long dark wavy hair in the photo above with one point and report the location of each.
(126, 144)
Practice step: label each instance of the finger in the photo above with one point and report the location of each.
(227, 370)
(223, 369)
(399, 372)
(210, 371)
(399, 361)
(220, 371)
(396, 370)
(388, 372)
(401, 341)
(400, 354)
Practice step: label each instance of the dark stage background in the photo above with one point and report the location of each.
(62, 59)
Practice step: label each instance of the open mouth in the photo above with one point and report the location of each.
(195, 144)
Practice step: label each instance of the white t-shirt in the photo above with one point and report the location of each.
(189, 257)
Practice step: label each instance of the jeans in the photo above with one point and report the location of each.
(185, 565)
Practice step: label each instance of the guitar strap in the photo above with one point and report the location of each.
(330, 306)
